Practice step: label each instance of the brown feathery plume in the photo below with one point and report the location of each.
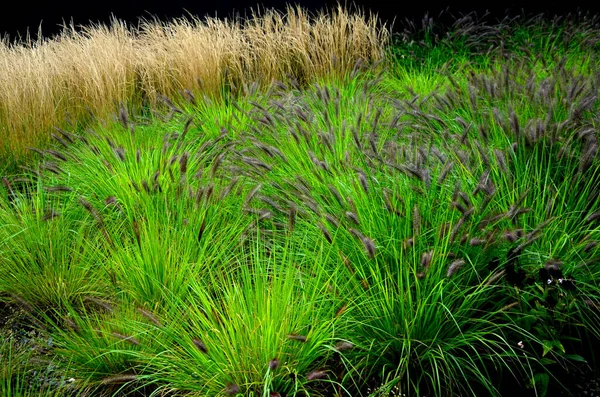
(31, 171)
(364, 283)
(341, 310)
(217, 163)
(171, 105)
(234, 181)
(66, 135)
(118, 379)
(58, 188)
(336, 194)
(443, 230)
(135, 186)
(353, 217)
(150, 316)
(123, 116)
(200, 345)
(325, 232)
(347, 263)
(459, 207)
(52, 167)
(252, 193)
(456, 228)
(426, 258)
(57, 155)
(136, 232)
(126, 338)
(408, 243)
(264, 214)
(100, 303)
(416, 220)
(120, 152)
(201, 231)
(183, 164)
(332, 221)
(35, 150)
(592, 217)
(90, 208)
(356, 233)
(454, 267)
(513, 235)
(369, 245)
(587, 157)
(72, 324)
(589, 246)
(292, 214)
(474, 242)
(9, 188)
(501, 160)
(273, 364)
(232, 389)
(269, 201)
(445, 171)
(362, 177)
(299, 338)
(189, 96)
(316, 374)
(343, 346)
(108, 166)
(514, 122)
(146, 186)
(494, 278)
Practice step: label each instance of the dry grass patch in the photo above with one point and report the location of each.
(94, 69)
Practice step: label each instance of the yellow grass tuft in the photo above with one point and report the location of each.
(45, 82)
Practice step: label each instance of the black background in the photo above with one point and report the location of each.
(18, 18)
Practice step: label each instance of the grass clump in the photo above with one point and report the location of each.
(91, 70)
(359, 233)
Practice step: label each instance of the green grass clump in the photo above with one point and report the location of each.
(428, 227)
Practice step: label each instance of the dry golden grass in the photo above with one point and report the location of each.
(45, 82)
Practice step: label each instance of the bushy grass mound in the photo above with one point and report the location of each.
(353, 235)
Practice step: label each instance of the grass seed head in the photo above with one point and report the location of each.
(343, 346)
(589, 246)
(316, 374)
(426, 258)
(341, 310)
(325, 232)
(292, 214)
(352, 217)
(200, 345)
(119, 379)
(332, 221)
(126, 338)
(369, 245)
(58, 188)
(273, 364)
(232, 389)
(454, 267)
(150, 316)
(296, 337)
(592, 217)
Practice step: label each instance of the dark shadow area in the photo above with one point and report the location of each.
(24, 17)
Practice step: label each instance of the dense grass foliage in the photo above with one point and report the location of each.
(429, 227)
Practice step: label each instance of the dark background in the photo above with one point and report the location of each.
(18, 17)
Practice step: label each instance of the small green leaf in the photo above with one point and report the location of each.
(576, 357)
(540, 381)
